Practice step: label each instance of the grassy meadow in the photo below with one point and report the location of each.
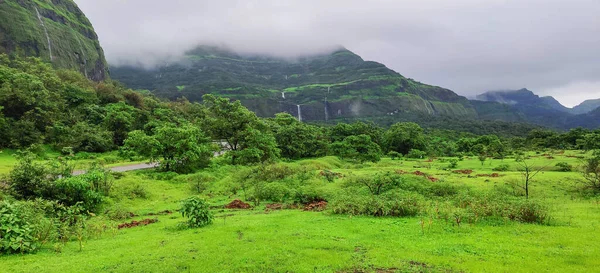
(295, 240)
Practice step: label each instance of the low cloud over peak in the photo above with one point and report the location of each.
(469, 46)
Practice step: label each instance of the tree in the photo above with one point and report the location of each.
(404, 136)
(340, 131)
(357, 148)
(590, 171)
(179, 149)
(239, 128)
(119, 119)
(257, 147)
(528, 171)
(296, 139)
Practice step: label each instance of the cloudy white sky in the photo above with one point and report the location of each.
(549, 46)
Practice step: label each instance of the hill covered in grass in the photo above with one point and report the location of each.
(57, 31)
(318, 88)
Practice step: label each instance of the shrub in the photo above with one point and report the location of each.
(529, 212)
(416, 154)
(393, 155)
(100, 178)
(197, 212)
(398, 204)
(29, 179)
(200, 182)
(502, 168)
(275, 192)
(77, 190)
(329, 175)
(377, 184)
(590, 171)
(308, 194)
(453, 163)
(564, 166)
(16, 233)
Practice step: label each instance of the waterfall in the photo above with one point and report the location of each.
(283, 95)
(326, 112)
(328, 88)
(84, 56)
(46, 32)
(299, 112)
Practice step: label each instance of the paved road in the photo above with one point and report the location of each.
(126, 168)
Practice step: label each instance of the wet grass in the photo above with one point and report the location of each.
(298, 241)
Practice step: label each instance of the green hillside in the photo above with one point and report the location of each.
(56, 31)
(332, 86)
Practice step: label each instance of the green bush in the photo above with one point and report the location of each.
(502, 168)
(16, 233)
(29, 179)
(376, 184)
(529, 212)
(77, 190)
(199, 182)
(393, 155)
(564, 166)
(416, 154)
(396, 203)
(197, 211)
(453, 163)
(275, 192)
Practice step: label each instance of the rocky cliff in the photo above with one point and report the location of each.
(56, 31)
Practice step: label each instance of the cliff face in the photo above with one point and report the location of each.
(56, 31)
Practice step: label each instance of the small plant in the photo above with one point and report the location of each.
(16, 233)
(197, 210)
(329, 175)
(453, 163)
(393, 155)
(200, 182)
(417, 154)
(502, 168)
(482, 158)
(564, 166)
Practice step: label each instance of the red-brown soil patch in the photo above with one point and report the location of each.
(164, 212)
(144, 222)
(274, 206)
(463, 171)
(489, 175)
(238, 204)
(316, 206)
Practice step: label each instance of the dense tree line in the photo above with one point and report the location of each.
(40, 105)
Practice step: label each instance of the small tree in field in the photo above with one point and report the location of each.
(528, 171)
(590, 171)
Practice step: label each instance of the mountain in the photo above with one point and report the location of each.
(525, 106)
(339, 86)
(523, 97)
(318, 88)
(586, 106)
(56, 31)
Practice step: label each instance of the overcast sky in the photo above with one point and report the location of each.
(549, 46)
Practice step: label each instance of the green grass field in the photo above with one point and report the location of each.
(293, 240)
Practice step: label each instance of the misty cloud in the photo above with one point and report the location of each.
(469, 46)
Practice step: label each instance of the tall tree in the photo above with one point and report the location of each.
(238, 127)
(403, 137)
(180, 149)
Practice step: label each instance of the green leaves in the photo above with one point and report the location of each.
(357, 148)
(180, 149)
(16, 234)
(197, 211)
